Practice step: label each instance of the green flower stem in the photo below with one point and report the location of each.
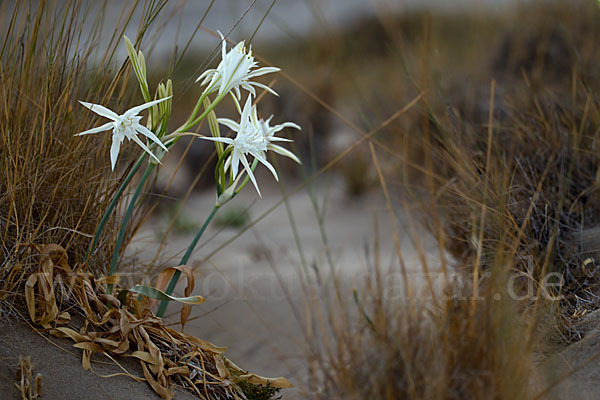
(188, 125)
(112, 205)
(220, 177)
(171, 286)
(198, 105)
(121, 236)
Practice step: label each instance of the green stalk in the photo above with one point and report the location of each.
(197, 106)
(112, 205)
(121, 236)
(171, 286)
(188, 124)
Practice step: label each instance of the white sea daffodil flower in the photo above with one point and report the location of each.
(124, 126)
(254, 137)
(234, 71)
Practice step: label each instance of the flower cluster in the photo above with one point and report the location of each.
(253, 136)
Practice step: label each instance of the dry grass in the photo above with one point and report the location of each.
(501, 163)
(55, 188)
(504, 171)
(55, 184)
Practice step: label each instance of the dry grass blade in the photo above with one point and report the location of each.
(29, 387)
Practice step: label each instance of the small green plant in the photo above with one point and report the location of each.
(258, 392)
(233, 217)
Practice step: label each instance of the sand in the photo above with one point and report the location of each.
(59, 363)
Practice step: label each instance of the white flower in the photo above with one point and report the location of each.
(234, 71)
(124, 126)
(253, 137)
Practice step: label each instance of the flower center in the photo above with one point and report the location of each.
(251, 141)
(125, 125)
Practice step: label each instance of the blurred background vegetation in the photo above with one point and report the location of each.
(477, 122)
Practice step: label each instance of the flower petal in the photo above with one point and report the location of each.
(223, 45)
(218, 139)
(248, 87)
(250, 173)
(278, 139)
(137, 109)
(267, 164)
(227, 163)
(204, 75)
(237, 103)
(235, 160)
(148, 133)
(101, 110)
(262, 71)
(144, 147)
(283, 152)
(260, 85)
(234, 126)
(114, 151)
(277, 128)
(246, 111)
(101, 128)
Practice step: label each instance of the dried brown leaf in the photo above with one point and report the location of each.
(279, 382)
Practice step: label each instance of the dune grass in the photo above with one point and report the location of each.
(492, 141)
(499, 163)
(56, 187)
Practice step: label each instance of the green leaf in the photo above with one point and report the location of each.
(156, 294)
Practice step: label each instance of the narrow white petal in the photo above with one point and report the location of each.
(137, 109)
(203, 75)
(263, 71)
(101, 110)
(283, 152)
(238, 94)
(148, 133)
(208, 75)
(235, 162)
(250, 174)
(101, 128)
(234, 126)
(144, 147)
(114, 151)
(278, 139)
(210, 88)
(249, 88)
(254, 116)
(218, 139)
(246, 111)
(237, 103)
(265, 87)
(277, 128)
(212, 77)
(223, 46)
(267, 164)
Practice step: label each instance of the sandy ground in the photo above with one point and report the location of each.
(255, 301)
(253, 285)
(60, 367)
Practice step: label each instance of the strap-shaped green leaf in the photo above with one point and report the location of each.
(156, 294)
